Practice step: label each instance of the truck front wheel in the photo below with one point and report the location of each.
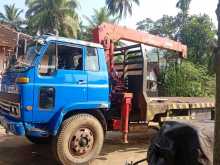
(80, 140)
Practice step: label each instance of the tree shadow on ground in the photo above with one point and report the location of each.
(19, 151)
(138, 143)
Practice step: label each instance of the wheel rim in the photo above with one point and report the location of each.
(82, 142)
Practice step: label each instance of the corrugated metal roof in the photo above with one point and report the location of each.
(8, 36)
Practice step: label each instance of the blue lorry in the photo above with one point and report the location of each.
(61, 92)
(57, 76)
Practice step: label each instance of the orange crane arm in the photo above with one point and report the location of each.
(107, 34)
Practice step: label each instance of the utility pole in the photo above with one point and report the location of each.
(217, 110)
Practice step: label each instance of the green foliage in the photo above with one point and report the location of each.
(50, 16)
(83, 32)
(165, 26)
(12, 16)
(181, 17)
(193, 78)
(98, 17)
(183, 5)
(121, 8)
(199, 35)
(187, 79)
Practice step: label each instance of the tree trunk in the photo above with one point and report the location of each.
(217, 111)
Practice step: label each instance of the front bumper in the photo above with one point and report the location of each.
(15, 127)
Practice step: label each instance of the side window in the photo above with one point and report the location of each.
(48, 62)
(61, 57)
(47, 97)
(92, 60)
(70, 58)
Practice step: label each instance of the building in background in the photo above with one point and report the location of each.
(9, 40)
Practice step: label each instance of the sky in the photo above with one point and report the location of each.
(153, 9)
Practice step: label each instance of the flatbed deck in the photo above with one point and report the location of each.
(159, 105)
(183, 102)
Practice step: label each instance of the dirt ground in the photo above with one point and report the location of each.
(19, 151)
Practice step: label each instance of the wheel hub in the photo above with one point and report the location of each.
(82, 142)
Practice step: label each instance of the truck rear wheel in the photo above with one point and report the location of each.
(80, 140)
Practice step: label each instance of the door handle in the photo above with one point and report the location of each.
(81, 82)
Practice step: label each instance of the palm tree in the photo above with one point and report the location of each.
(51, 16)
(183, 5)
(99, 16)
(121, 8)
(181, 18)
(12, 16)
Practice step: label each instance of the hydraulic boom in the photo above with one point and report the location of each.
(107, 34)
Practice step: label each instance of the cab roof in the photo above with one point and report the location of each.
(72, 41)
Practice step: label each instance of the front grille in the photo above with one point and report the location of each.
(9, 103)
(11, 97)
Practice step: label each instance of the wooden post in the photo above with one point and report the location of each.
(217, 111)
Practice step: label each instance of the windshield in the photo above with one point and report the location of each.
(29, 54)
(25, 56)
(28, 58)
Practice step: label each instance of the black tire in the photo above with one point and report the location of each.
(39, 140)
(79, 141)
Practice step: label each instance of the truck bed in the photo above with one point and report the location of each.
(183, 102)
(158, 105)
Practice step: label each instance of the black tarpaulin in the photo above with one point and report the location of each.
(183, 143)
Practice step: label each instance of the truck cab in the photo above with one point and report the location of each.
(57, 79)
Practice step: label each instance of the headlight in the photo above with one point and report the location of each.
(15, 111)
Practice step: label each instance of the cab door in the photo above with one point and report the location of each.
(98, 85)
(60, 80)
